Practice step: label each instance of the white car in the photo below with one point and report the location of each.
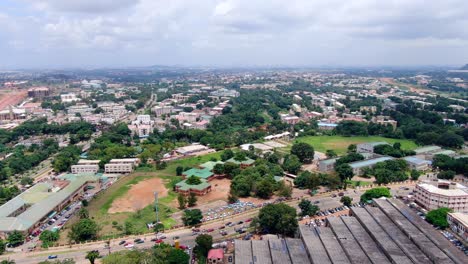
(129, 245)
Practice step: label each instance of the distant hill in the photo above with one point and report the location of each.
(464, 68)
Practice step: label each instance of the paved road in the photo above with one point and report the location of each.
(185, 235)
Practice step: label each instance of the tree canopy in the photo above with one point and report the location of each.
(278, 219)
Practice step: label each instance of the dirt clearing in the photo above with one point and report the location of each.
(139, 196)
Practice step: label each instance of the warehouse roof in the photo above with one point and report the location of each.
(200, 173)
(369, 162)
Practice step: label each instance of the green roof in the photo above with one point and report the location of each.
(209, 165)
(200, 173)
(248, 161)
(184, 186)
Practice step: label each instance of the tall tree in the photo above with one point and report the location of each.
(192, 199)
(182, 201)
(92, 256)
(278, 219)
(303, 151)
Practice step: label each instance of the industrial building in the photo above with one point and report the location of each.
(358, 166)
(390, 232)
(29, 209)
(368, 146)
(86, 166)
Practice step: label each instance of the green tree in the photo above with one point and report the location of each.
(177, 256)
(26, 181)
(344, 171)
(352, 148)
(292, 164)
(415, 175)
(204, 243)
(375, 193)
(218, 169)
(83, 213)
(2, 246)
(84, 230)
(303, 151)
(92, 256)
(49, 237)
(331, 153)
(179, 170)
(232, 197)
(182, 201)
(192, 217)
(240, 156)
(307, 208)
(278, 219)
(15, 238)
(446, 175)
(8, 261)
(227, 154)
(285, 190)
(346, 200)
(264, 189)
(192, 199)
(193, 180)
(438, 217)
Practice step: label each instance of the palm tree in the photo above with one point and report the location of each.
(92, 256)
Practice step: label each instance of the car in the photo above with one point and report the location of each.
(52, 257)
(221, 227)
(248, 237)
(333, 195)
(195, 229)
(210, 230)
(240, 222)
(316, 202)
(129, 245)
(138, 239)
(341, 194)
(122, 242)
(223, 233)
(228, 223)
(176, 237)
(183, 247)
(248, 220)
(140, 242)
(158, 241)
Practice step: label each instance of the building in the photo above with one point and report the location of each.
(68, 98)
(200, 189)
(192, 149)
(326, 126)
(358, 166)
(368, 146)
(388, 233)
(38, 92)
(12, 114)
(85, 166)
(433, 194)
(215, 256)
(29, 209)
(458, 223)
(327, 165)
(416, 163)
(289, 119)
(121, 165)
(243, 164)
(427, 149)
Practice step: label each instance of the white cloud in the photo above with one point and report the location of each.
(240, 31)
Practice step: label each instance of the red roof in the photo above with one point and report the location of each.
(216, 254)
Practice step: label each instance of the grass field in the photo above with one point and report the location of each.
(340, 144)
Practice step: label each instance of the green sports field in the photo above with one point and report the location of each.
(339, 143)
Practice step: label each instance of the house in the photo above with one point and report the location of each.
(458, 223)
(200, 189)
(416, 163)
(327, 165)
(243, 164)
(215, 256)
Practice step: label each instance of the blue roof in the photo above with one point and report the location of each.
(369, 162)
(326, 124)
(416, 160)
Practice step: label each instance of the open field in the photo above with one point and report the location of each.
(340, 144)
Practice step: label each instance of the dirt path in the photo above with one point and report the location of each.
(139, 196)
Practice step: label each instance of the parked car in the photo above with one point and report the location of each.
(129, 245)
(52, 257)
(122, 242)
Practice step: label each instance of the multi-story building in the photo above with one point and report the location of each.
(437, 193)
(38, 92)
(369, 146)
(121, 165)
(69, 97)
(458, 222)
(162, 110)
(85, 166)
(416, 163)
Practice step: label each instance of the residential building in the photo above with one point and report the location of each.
(192, 149)
(69, 97)
(433, 194)
(200, 189)
(458, 223)
(215, 256)
(162, 110)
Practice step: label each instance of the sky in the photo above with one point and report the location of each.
(232, 33)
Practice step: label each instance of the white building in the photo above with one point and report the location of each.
(369, 146)
(441, 193)
(458, 223)
(121, 165)
(85, 166)
(68, 98)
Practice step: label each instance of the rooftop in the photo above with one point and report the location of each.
(426, 149)
(369, 162)
(204, 173)
(184, 186)
(461, 217)
(248, 161)
(432, 187)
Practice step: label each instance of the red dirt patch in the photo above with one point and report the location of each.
(139, 196)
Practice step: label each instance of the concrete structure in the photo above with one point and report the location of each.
(358, 166)
(69, 97)
(327, 165)
(326, 126)
(388, 233)
(416, 163)
(191, 149)
(368, 146)
(458, 223)
(121, 165)
(85, 166)
(38, 92)
(29, 209)
(437, 193)
(200, 189)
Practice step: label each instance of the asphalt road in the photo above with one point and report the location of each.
(186, 236)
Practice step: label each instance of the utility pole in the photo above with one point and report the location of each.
(156, 207)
